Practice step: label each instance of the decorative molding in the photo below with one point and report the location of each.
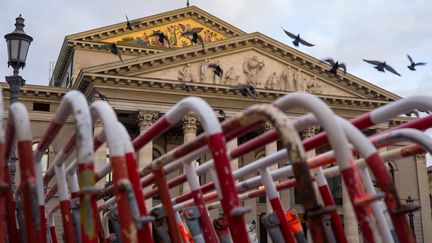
(146, 118)
(190, 123)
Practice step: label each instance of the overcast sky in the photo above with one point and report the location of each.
(345, 30)
(348, 31)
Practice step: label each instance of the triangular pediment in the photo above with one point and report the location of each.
(252, 58)
(137, 41)
(168, 22)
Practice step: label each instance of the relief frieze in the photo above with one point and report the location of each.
(250, 68)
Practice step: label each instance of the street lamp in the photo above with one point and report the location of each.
(18, 43)
(410, 203)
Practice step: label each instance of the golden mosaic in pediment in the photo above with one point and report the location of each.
(173, 31)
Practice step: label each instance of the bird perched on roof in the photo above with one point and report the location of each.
(222, 113)
(193, 35)
(246, 90)
(185, 87)
(114, 49)
(413, 64)
(161, 38)
(101, 96)
(380, 66)
(217, 70)
(129, 23)
(297, 39)
(335, 65)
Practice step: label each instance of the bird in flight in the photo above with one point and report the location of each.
(217, 70)
(297, 39)
(414, 64)
(161, 38)
(193, 35)
(114, 49)
(380, 66)
(246, 90)
(185, 87)
(335, 65)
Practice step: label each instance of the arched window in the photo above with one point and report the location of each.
(45, 158)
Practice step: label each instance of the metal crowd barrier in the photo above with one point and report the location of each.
(186, 218)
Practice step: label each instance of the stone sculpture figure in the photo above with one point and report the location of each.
(207, 73)
(272, 82)
(298, 81)
(204, 71)
(186, 74)
(231, 78)
(312, 86)
(286, 79)
(252, 68)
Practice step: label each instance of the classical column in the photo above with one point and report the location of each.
(190, 127)
(349, 218)
(270, 149)
(100, 156)
(307, 133)
(145, 155)
(423, 188)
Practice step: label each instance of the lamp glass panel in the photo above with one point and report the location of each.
(14, 50)
(23, 51)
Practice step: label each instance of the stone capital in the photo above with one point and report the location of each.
(268, 126)
(146, 119)
(190, 124)
(421, 157)
(310, 132)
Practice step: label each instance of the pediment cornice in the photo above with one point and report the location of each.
(255, 41)
(156, 20)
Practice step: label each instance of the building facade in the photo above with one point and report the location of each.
(148, 80)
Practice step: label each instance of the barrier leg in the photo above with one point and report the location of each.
(160, 225)
(192, 215)
(221, 226)
(167, 205)
(271, 222)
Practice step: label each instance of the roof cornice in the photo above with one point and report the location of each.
(37, 90)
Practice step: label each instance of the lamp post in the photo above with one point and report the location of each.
(18, 43)
(409, 201)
